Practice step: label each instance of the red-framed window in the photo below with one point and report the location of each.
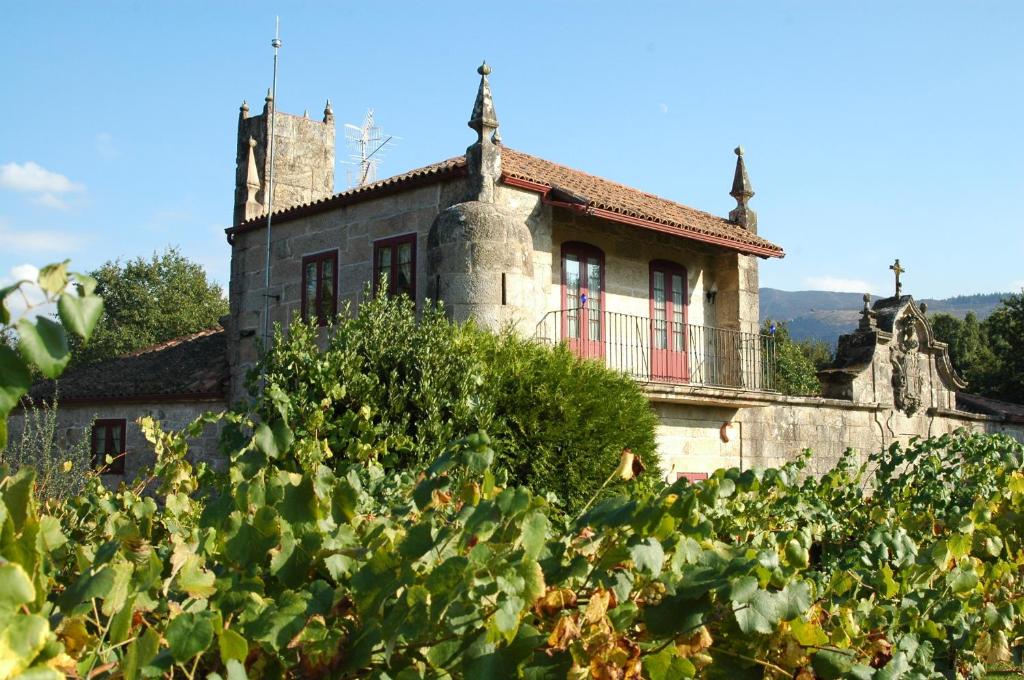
(320, 286)
(108, 440)
(668, 294)
(395, 258)
(583, 298)
(692, 476)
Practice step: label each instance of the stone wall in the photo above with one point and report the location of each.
(758, 431)
(73, 421)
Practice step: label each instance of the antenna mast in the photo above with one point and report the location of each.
(276, 44)
(366, 145)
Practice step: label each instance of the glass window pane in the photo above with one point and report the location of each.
(309, 299)
(678, 308)
(572, 294)
(327, 290)
(594, 299)
(383, 264)
(405, 273)
(116, 435)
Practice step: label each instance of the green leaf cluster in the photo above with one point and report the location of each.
(42, 344)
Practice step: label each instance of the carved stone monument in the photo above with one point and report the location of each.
(893, 358)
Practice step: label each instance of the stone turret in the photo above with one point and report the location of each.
(480, 253)
(303, 163)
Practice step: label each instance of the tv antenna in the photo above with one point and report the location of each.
(367, 145)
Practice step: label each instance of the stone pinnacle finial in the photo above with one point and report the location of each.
(483, 157)
(867, 317)
(484, 116)
(328, 112)
(252, 183)
(268, 101)
(243, 110)
(742, 191)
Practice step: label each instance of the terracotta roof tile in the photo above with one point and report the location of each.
(603, 197)
(193, 366)
(626, 201)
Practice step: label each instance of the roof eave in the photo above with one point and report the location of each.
(347, 198)
(739, 246)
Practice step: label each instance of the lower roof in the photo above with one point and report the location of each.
(189, 368)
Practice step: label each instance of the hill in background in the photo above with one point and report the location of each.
(825, 315)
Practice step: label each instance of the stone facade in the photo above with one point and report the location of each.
(74, 420)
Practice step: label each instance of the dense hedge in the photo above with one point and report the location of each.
(557, 423)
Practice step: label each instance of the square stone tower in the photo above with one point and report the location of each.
(303, 160)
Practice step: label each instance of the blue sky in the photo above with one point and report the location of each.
(872, 130)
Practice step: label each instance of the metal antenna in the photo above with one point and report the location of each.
(276, 44)
(366, 144)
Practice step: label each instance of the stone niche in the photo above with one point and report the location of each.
(893, 359)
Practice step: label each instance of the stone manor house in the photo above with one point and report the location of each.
(661, 291)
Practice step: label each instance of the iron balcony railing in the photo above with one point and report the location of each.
(657, 350)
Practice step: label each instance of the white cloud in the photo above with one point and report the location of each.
(105, 145)
(838, 285)
(29, 294)
(39, 240)
(30, 177)
(50, 201)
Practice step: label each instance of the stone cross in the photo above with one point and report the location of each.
(895, 267)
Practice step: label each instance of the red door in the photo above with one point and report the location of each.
(668, 322)
(583, 296)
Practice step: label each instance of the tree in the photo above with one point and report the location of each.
(150, 301)
(794, 369)
(1005, 334)
(969, 349)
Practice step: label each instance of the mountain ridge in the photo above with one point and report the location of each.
(825, 315)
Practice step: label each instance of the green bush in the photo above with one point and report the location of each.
(794, 368)
(62, 467)
(560, 422)
(411, 386)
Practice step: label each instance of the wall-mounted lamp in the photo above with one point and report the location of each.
(711, 294)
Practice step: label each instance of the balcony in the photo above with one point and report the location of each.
(661, 351)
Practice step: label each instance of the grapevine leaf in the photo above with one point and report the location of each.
(80, 314)
(232, 646)
(648, 556)
(188, 634)
(53, 278)
(16, 587)
(44, 344)
(14, 380)
(534, 534)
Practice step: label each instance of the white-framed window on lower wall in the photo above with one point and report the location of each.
(108, 440)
